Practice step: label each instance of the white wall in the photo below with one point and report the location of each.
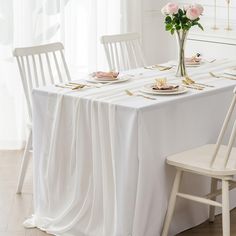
(160, 46)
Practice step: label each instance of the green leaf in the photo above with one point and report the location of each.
(169, 27)
(200, 26)
(172, 31)
(178, 27)
(176, 20)
(184, 20)
(168, 20)
(180, 12)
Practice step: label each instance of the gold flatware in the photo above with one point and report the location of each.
(62, 86)
(163, 68)
(222, 76)
(214, 75)
(85, 85)
(190, 81)
(191, 87)
(206, 85)
(74, 87)
(69, 86)
(129, 93)
(159, 67)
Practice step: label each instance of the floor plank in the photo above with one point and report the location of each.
(6, 201)
(20, 211)
(14, 233)
(14, 209)
(35, 232)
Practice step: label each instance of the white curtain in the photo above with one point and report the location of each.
(77, 23)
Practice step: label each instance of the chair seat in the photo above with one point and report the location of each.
(198, 160)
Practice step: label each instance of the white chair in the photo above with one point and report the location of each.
(123, 51)
(37, 66)
(214, 160)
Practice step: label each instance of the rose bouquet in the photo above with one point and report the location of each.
(180, 20)
(185, 18)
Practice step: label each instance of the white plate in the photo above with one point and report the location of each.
(230, 72)
(174, 63)
(194, 65)
(118, 80)
(148, 89)
(166, 90)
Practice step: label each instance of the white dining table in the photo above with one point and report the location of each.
(99, 154)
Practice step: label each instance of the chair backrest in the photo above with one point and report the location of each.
(123, 51)
(227, 163)
(39, 66)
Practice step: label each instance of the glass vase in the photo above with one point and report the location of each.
(181, 36)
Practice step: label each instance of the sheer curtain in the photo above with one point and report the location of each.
(77, 23)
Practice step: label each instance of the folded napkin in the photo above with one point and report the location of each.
(161, 84)
(100, 75)
(194, 60)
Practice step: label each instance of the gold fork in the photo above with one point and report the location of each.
(189, 85)
(190, 81)
(129, 93)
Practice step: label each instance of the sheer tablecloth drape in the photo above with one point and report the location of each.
(99, 155)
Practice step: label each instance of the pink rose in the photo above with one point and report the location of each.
(170, 9)
(186, 7)
(163, 11)
(193, 13)
(200, 7)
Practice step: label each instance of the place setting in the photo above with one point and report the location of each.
(164, 87)
(107, 78)
(95, 80)
(194, 61)
(161, 86)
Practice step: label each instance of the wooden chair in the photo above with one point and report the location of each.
(213, 160)
(37, 66)
(123, 51)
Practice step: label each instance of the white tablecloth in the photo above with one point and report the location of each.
(99, 155)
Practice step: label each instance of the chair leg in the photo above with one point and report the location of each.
(212, 208)
(172, 201)
(24, 163)
(225, 208)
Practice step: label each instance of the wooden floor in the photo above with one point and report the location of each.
(14, 209)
